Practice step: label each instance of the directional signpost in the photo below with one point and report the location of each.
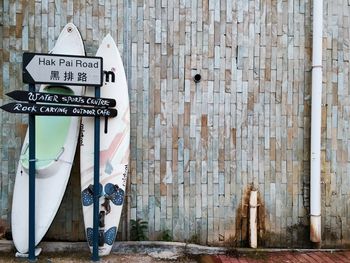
(60, 70)
(61, 99)
(48, 109)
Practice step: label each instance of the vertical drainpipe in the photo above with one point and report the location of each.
(315, 178)
(253, 219)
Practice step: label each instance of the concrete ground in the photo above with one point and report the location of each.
(286, 257)
(165, 252)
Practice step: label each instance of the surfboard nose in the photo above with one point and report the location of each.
(70, 27)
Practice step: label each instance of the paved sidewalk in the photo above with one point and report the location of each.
(163, 252)
(284, 257)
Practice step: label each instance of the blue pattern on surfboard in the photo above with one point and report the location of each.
(108, 168)
(114, 193)
(89, 235)
(109, 236)
(87, 195)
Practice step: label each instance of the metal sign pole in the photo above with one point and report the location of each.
(31, 239)
(95, 255)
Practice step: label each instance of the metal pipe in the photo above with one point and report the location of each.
(315, 162)
(253, 204)
(96, 206)
(31, 199)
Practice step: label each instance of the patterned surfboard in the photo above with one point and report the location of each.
(114, 151)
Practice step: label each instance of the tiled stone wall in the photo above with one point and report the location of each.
(197, 149)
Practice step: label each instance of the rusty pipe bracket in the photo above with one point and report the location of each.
(252, 206)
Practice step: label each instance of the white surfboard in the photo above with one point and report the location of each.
(56, 141)
(114, 151)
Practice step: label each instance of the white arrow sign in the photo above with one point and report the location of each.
(62, 69)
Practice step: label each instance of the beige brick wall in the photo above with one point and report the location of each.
(197, 149)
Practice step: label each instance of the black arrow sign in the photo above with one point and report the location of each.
(59, 98)
(58, 110)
